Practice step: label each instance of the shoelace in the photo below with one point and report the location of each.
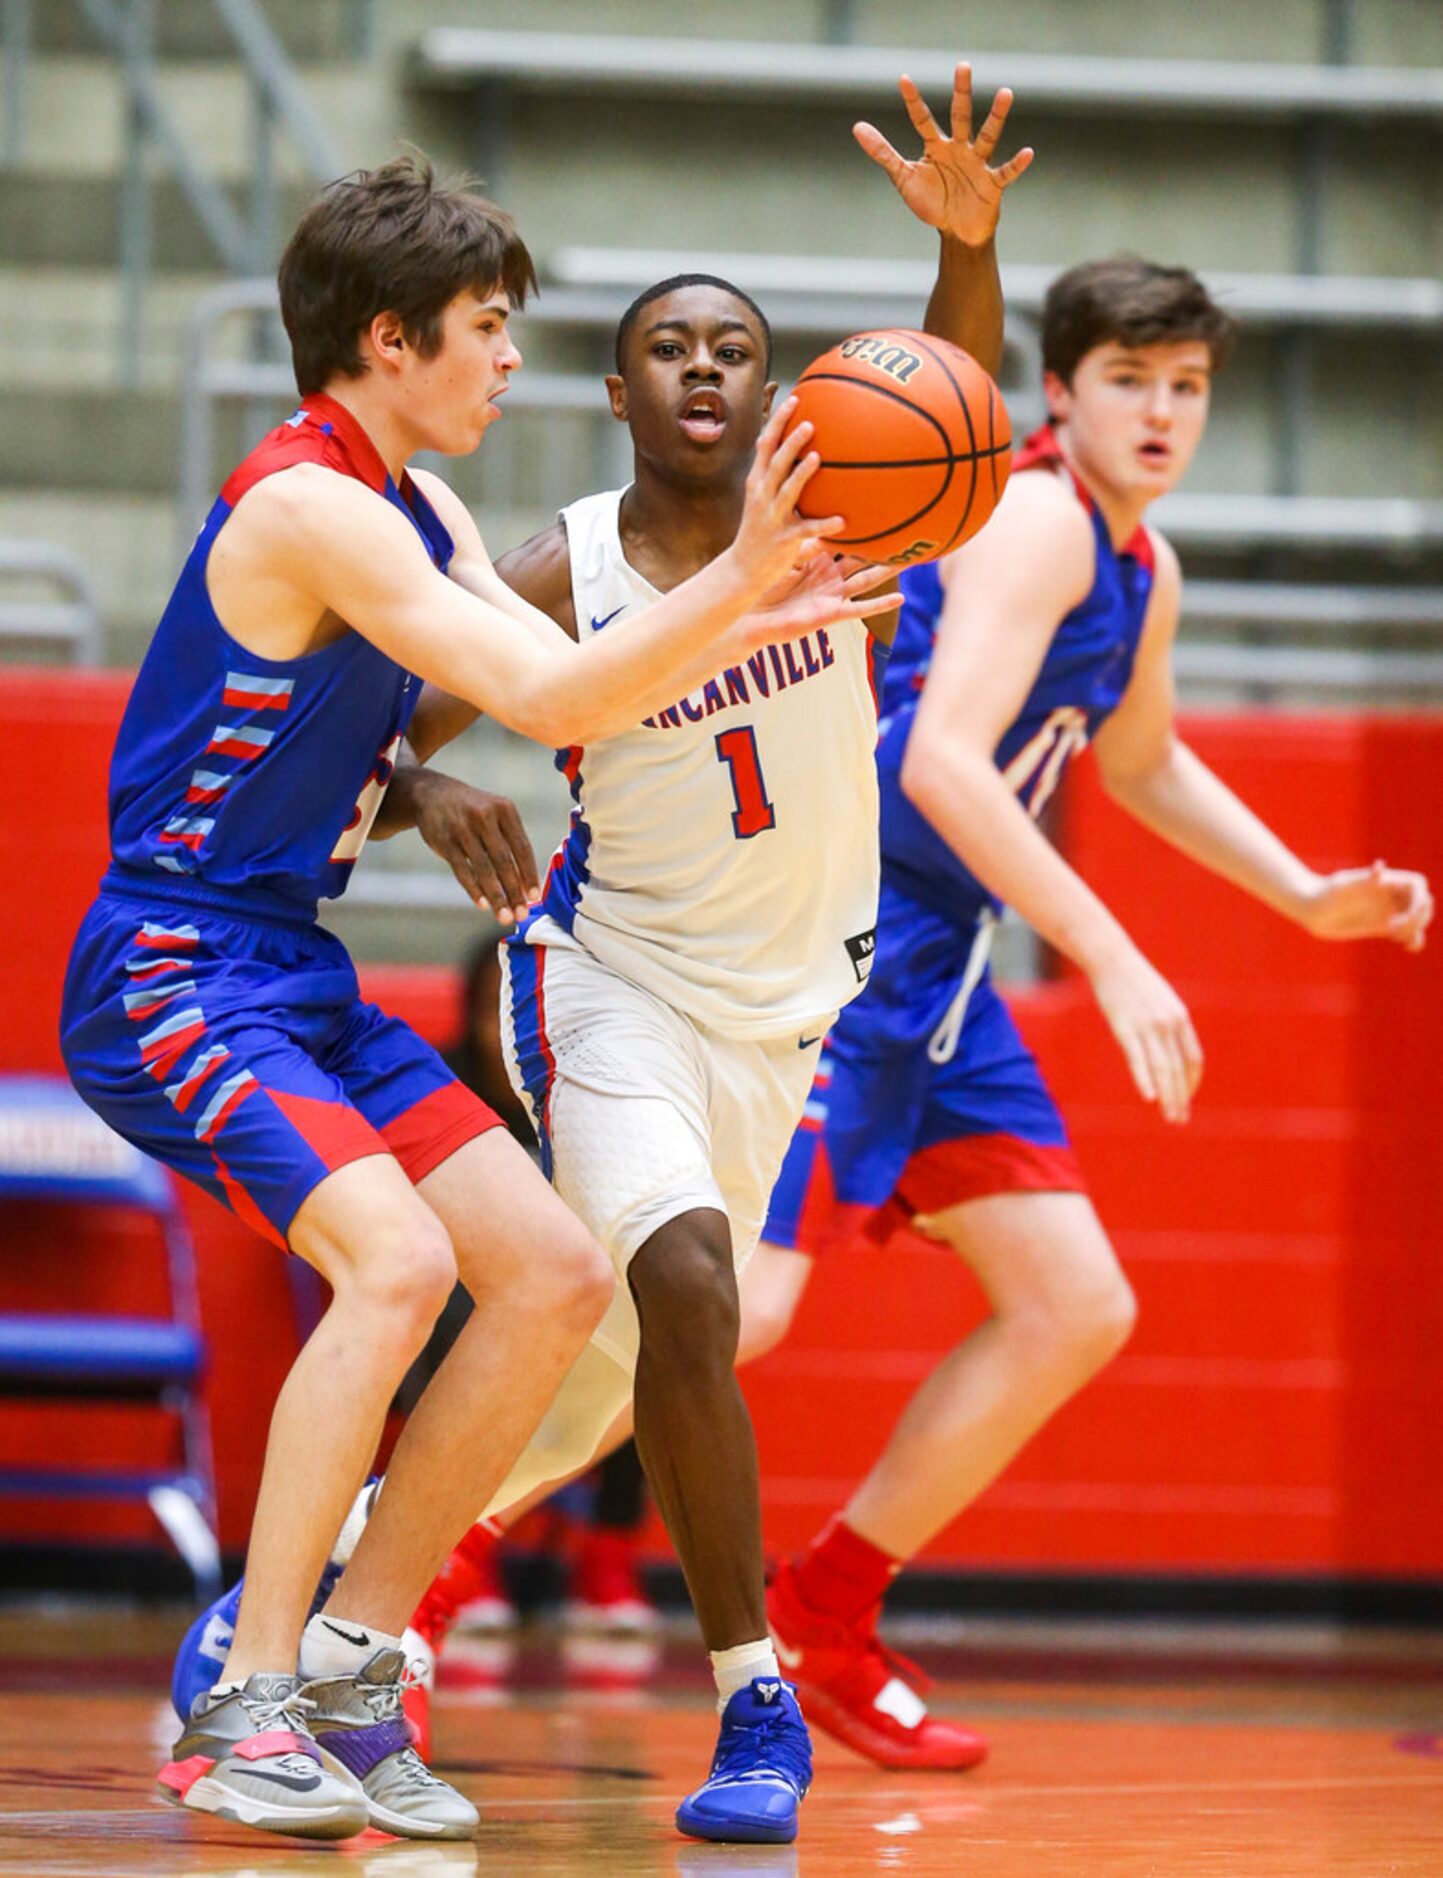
(287, 1711)
(384, 1702)
(774, 1745)
(383, 1699)
(415, 1771)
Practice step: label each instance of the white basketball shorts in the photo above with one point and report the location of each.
(644, 1114)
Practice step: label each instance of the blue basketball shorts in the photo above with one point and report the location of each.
(909, 1118)
(237, 1051)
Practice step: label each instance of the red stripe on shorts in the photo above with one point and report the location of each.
(243, 1206)
(431, 1130)
(974, 1167)
(334, 1132)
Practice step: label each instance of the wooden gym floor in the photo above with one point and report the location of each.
(1118, 1752)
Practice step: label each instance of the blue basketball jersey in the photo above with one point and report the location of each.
(1080, 683)
(245, 782)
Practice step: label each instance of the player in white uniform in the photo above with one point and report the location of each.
(709, 912)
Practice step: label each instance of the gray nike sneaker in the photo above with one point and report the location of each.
(360, 1730)
(249, 1756)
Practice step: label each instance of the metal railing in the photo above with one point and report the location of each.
(209, 383)
(891, 287)
(623, 64)
(1386, 526)
(70, 617)
(16, 30)
(839, 294)
(244, 239)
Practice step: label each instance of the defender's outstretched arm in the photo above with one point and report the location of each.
(954, 187)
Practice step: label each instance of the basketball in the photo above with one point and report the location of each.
(915, 444)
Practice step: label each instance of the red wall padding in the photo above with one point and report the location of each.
(1278, 1408)
(1279, 1405)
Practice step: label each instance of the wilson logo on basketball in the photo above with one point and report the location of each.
(894, 360)
(914, 443)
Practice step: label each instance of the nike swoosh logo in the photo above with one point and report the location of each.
(597, 624)
(789, 1659)
(292, 1783)
(805, 1043)
(359, 1638)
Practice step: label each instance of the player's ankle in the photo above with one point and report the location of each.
(338, 1646)
(841, 1574)
(738, 1667)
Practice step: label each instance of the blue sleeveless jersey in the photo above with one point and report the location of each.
(1080, 683)
(248, 783)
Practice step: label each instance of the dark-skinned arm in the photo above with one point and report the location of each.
(954, 188)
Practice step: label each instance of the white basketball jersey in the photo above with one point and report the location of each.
(723, 854)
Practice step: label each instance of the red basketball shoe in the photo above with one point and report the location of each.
(468, 1579)
(852, 1685)
(607, 1594)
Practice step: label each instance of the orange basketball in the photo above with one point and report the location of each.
(915, 444)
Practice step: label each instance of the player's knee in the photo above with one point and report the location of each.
(686, 1299)
(565, 1287)
(1083, 1320)
(581, 1283)
(1113, 1317)
(765, 1321)
(407, 1276)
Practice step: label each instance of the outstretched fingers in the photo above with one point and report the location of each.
(990, 135)
(962, 102)
(776, 445)
(923, 122)
(1009, 171)
(880, 151)
(867, 578)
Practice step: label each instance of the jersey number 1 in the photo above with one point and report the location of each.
(754, 814)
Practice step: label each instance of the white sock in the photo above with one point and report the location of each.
(737, 1667)
(338, 1646)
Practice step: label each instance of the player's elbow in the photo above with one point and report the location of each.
(1135, 780)
(930, 772)
(531, 707)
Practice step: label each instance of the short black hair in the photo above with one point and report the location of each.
(1132, 301)
(675, 281)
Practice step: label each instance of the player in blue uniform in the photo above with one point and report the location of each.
(215, 1025)
(1052, 629)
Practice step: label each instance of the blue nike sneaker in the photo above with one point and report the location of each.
(760, 1774)
(201, 1657)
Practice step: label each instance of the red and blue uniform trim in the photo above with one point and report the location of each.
(534, 1056)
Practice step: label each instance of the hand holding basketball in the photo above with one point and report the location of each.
(774, 537)
(823, 593)
(913, 444)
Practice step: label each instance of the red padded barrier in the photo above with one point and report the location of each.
(1278, 1407)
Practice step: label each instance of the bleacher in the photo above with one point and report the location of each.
(1294, 173)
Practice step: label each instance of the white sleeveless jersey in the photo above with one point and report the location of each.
(724, 853)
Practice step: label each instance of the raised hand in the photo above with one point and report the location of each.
(1376, 902)
(953, 185)
(1151, 1023)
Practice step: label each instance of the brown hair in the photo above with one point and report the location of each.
(1134, 302)
(391, 240)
